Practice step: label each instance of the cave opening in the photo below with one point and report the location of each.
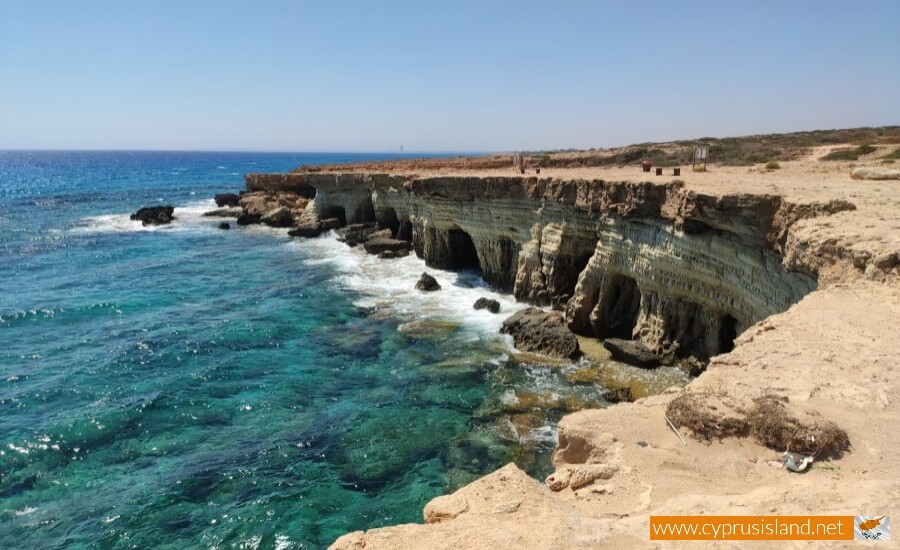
(727, 333)
(619, 306)
(388, 220)
(463, 254)
(365, 211)
(335, 212)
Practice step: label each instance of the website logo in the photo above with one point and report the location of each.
(871, 527)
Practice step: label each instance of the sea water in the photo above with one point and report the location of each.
(183, 386)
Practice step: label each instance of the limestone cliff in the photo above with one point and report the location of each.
(682, 272)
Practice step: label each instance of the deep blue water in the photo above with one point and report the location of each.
(187, 387)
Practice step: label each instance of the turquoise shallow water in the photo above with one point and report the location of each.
(186, 387)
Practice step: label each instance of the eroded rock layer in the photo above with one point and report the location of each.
(681, 272)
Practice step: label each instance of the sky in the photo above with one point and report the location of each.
(458, 76)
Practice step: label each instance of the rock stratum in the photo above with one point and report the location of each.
(787, 284)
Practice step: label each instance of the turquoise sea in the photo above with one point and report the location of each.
(188, 387)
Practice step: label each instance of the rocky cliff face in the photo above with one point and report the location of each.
(681, 272)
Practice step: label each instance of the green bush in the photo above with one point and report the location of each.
(895, 155)
(849, 154)
(772, 165)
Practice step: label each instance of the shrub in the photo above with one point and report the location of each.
(700, 168)
(892, 156)
(772, 165)
(849, 154)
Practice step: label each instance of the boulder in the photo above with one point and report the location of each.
(154, 215)
(486, 303)
(224, 225)
(427, 283)
(382, 244)
(391, 254)
(330, 223)
(542, 332)
(632, 352)
(246, 218)
(230, 212)
(307, 230)
(278, 217)
(227, 199)
(872, 173)
(356, 233)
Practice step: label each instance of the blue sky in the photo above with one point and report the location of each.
(450, 76)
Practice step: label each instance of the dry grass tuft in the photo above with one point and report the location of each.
(773, 426)
(707, 416)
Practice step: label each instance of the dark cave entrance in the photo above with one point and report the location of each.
(620, 304)
(389, 220)
(335, 212)
(463, 254)
(727, 333)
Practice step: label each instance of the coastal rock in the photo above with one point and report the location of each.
(543, 332)
(356, 233)
(154, 215)
(427, 283)
(330, 223)
(384, 244)
(444, 508)
(306, 230)
(293, 183)
(227, 199)
(486, 303)
(278, 217)
(632, 352)
(230, 212)
(224, 225)
(248, 219)
(391, 254)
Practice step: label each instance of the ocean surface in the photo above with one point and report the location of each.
(189, 387)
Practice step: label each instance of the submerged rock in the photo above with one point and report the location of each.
(154, 215)
(427, 283)
(541, 331)
(231, 212)
(429, 328)
(391, 254)
(227, 199)
(224, 225)
(632, 352)
(384, 244)
(486, 303)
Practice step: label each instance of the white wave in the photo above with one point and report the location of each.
(188, 216)
(390, 285)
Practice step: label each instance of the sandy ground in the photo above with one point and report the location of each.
(833, 356)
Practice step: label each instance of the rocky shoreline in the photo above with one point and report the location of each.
(662, 272)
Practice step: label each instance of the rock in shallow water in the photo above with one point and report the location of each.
(541, 331)
(227, 199)
(224, 225)
(632, 352)
(427, 283)
(154, 215)
(385, 244)
(486, 303)
(248, 219)
(231, 212)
